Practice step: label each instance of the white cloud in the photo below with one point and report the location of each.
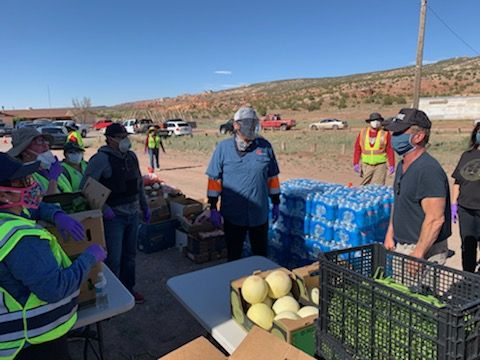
(222, 72)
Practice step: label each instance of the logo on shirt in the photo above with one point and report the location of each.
(259, 152)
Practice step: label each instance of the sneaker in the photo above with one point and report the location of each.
(139, 299)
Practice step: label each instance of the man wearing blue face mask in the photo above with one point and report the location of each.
(116, 167)
(243, 172)
(420, 223)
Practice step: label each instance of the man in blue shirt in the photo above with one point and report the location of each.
(243, 171)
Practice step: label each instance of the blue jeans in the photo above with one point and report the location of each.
(121, 238)
(153, 156)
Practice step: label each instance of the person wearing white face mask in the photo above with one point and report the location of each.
(28, 145)
(373, 148)
(73, 165)
(117, 168)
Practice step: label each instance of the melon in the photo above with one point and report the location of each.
(261, 315)
(307, 311)
(254, 289)
(268, 301)
(286, 303)
(287, 315)
(279, 284)
(315, 295)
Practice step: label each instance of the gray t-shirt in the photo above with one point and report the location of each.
(424, 178)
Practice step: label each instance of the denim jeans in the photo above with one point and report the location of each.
(121, 238)
(153, 157)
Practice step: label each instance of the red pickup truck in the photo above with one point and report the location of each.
(274, 121)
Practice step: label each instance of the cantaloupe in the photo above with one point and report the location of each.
(254, 289)
(307, 311)
(286, 303)
(315, 295)
(287, 315)
(279, 284)
(261, 315)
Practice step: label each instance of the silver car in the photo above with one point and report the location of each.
(329, 124)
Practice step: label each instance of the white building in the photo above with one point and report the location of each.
(451, 107)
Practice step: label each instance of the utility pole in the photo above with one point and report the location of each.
(418, 66)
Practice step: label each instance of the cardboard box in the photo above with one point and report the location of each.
(185, 206)
(307, 278)
(186, 225)
(87, 289)
(157, 237)
(158, 208)
(257, 345)
(300, 333)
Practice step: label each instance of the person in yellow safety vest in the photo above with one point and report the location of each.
(28, 145)
(374, 148)
(39, 285)
(73, 165)
(74, 136)
(153, 143)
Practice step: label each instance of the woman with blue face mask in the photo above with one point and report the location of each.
(74, 165)
(466, 200)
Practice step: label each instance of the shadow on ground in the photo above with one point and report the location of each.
(159, 325)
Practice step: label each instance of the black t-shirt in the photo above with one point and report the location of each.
(467, 175)
(424, 178)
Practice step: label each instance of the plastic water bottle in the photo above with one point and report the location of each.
(101, 291)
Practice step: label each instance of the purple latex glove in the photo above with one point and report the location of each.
(97, 251)
(356, 168)
(55, 170)
(391, 169)
(275, 213)
(454, 208)
(108, 213)
(147, 215)
(215, 218)
(67, 225)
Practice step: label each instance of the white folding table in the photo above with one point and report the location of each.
(206, 295)
(119, 301)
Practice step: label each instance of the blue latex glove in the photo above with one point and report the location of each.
(215, 218)
(147, 215)
(68, 226)
(356, 168)
(275, 213)
(55, 170)
(97, 251)
(108, 213)
(454, 208)
(391, 169)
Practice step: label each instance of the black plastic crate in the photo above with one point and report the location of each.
(435, 316)
(157, 237)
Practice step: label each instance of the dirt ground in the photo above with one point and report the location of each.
(161, 324)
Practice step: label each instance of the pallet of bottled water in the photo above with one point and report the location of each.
(318, 217)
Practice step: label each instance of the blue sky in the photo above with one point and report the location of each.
(115, 51)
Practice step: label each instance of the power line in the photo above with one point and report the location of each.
(453, 31)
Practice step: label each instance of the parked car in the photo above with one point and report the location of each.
(227, 127)
(176, 128)
(59, 134)
(275, 121)
(329, 124)
(5, 130)
(83, 128)
(102, 124)
(137, 126)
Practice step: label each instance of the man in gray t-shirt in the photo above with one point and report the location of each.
(420, 224)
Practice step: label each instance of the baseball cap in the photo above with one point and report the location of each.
(13, 169)
(22, 138)
(245, 112)
(72, 147)
(115, 129)
(406, 118)
(374, 116)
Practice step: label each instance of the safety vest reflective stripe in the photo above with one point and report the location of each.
(273, 185)
(214, 187)
(43, 324)
(74, 176)
(375, 154)
(8, 353)
(62, 182)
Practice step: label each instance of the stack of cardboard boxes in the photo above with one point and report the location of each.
(93, 196)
